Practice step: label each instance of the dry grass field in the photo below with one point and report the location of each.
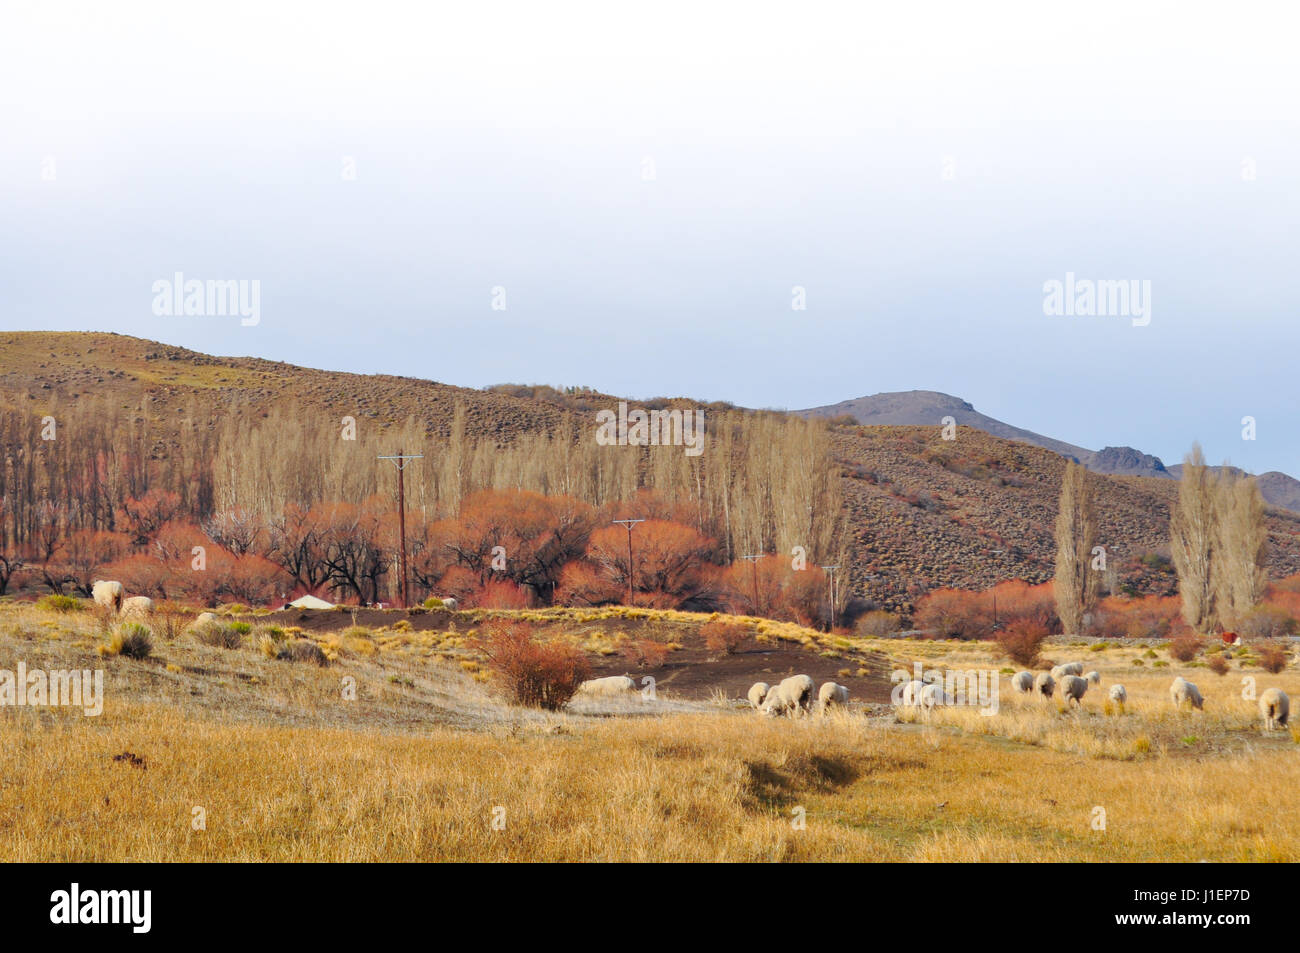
(427, 763)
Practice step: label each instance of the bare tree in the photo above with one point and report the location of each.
(1192, 530)
(1077, 584)
(1242, 547)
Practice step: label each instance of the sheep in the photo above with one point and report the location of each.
(1275, 708)
(107, 594)
(793, 695)
(609, 685)
(1044, 684)
(448, 602)
(1068, 668)
(1184, 691)
(1073, 688)
(830, 695)
(204, 618)
(757, 692)
(137, 607)
(1094, 677)
(910, 696)
(1118, 694)
(1023, 682)
(932, 697)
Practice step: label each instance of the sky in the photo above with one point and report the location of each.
(779, 205)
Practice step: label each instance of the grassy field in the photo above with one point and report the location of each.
(429, 764)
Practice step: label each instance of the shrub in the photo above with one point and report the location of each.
(537, 674)
(1268, 622)
(302, 650)
(955, 614)
(724, 636)
(1218, 665)
(1272, 659)
(220, 636)
(1185, 648)
(130, 639)
(1021, 641)
(647, 653)
(242, 628)
(877, 624)
(433, 602)
(55, 603)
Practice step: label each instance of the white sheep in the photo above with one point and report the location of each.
(449, 602)
(107, 594)
(1184, 691)
(137, 607)
(1094, 677)
(910, 696)
(830, 695)
(204, 618)
(1118, 694)
(1023, 682)
(1275, 708)
(1073, 688)
(932, 697)
(1067, 668)
(1044, 684)
(792, 695)
(609, 685)
(757, 692)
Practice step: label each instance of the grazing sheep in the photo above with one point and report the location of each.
(793, 695)
(1068, 668)
(1184, 691)
(757, 692)
(1023, 682)
(1118, 694)
(932, 697)
(107, 594)
(910, 696)
(1044, 684)
(830, 695)
(137, 607)
(1275, 707)
(448, 602)
(609, 685)
(1073, 688)
(1094, 677)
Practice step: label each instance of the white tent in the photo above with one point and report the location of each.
(309, 602)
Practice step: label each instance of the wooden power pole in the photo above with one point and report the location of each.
(400, 459)
(629, 524)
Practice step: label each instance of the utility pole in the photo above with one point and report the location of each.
(400, 460)
(831, 571)
(629, 524)
(753, 561)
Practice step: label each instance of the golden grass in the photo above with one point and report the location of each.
(286, 768)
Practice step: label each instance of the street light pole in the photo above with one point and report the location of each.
(629, 524)
(400, 460)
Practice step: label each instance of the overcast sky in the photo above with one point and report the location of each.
(649, 184)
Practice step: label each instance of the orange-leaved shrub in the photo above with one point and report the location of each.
(536, 674)
(1021, 640)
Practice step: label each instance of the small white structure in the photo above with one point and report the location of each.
(309, 602)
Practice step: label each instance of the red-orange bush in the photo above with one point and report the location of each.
(647, 653)
(724, 636)
(955, 614)
(536, 674)
(1021, 640)
(1272, 659)
(1185, 648)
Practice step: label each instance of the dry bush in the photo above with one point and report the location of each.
(647, 653)
(1184, 648)
(220, 636)
(725, 637)
(1272, 659)
(955, 614)
(1217, 664)
(130, 639)
(876, 624)
(303, 650)
(1268, 622)
(537, 674)
(1021, 640)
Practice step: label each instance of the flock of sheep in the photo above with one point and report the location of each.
(794, 696)
(1274, 705)
(111, 595)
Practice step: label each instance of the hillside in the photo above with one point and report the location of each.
(922, 512)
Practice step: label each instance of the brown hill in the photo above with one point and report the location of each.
(922, 512)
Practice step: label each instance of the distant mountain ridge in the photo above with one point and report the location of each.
(929, 408)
